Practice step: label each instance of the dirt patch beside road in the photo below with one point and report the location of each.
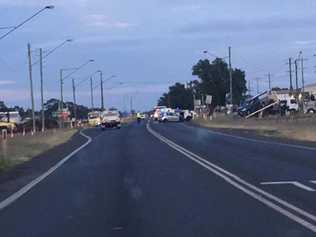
(294, 128)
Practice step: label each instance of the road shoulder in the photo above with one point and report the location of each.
(17, 177)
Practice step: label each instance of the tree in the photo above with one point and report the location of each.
(215, 81)
(178, 97)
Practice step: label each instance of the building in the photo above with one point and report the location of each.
(311, 88)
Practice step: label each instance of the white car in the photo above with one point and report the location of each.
(169, 117)
(110, 119)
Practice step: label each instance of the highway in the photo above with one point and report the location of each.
(172, 179)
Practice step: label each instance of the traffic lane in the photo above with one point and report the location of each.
(69, 202)
(127, 183)
(266, 161)
(254, 162)
(179, 198)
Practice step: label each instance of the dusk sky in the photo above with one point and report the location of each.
(151, 44)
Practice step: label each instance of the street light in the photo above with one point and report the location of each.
(62, 78)
(50, 7)
(53, 50)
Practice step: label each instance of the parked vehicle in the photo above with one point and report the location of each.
(8, 126)
(158, 111)
(310, 105)
(185, 115)
(12, 116)
(110, 119)
(10, 120)
(94, 118)
(169, 117)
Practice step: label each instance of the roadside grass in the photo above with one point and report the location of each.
(20, 149)
(296, 128)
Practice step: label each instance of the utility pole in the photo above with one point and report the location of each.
(61, 102)
(257, 79)
(102, 96)
(61, 90)
(74, 98)
(302, 70)
(131, 103)
(31, 86)
(290, 68)
(269, 80)
(296, 77)
(230, 75)
(42, 92)
(249, 87)
(91, 88)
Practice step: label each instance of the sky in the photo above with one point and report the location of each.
(150, 44)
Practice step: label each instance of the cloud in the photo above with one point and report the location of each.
(104, 21)
(6, 82)
(186, 8)
(141, 89)
(256, 24)
(305, 42)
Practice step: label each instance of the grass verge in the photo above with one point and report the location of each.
(302, 129)
(20, 149)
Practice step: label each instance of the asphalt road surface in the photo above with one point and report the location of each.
(172, 180)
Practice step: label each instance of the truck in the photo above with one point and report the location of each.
(310, 104)
(110, 119)
(270, 102)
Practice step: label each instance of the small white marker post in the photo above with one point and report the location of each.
(4, 133)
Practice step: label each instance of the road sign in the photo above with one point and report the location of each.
(197, 102)
(208, 100)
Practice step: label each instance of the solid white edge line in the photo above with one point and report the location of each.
(15, 196)
(224, 176)
(255, 140)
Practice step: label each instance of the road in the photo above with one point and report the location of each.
(172, 180)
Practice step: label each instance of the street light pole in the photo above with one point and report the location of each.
(91, 90)
(102, 96)
(290, 68)
(296, 76)
(31, 86)
(25, 21)
(230, 75)
(42, 93)
(61, 89)
(302, 71)
(74, 98)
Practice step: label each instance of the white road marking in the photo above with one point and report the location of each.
(244, 186)
(15, 196)
(313, 181)
(295, 183)
(258, 140)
